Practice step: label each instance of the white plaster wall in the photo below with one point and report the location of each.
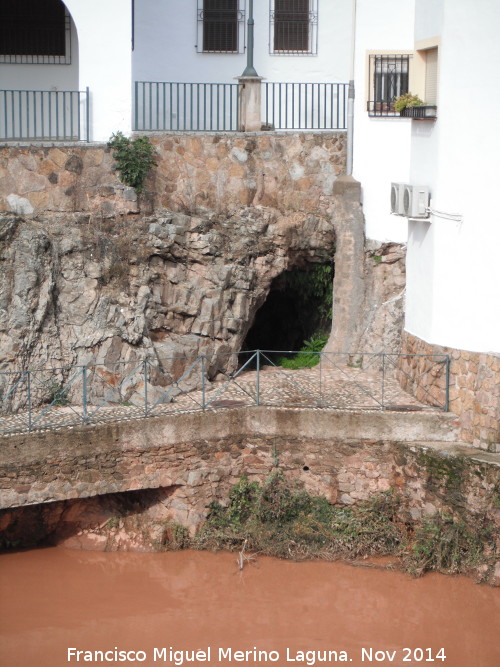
(166, 36)
(105, 32)
(381, 145)
(453, 279)
(15, 76)
(429, 18)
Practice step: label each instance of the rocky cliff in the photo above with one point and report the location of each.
(90, 273)
(77, 288)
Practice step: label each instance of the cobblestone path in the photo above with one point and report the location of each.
(339, 387)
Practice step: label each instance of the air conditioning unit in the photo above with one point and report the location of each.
(415, 201)
(397, 190)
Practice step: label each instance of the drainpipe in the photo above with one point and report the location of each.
(350, 95)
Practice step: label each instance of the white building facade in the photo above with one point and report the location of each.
(451, 50)
(108, 46)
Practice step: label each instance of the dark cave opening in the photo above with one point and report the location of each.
(297, 308)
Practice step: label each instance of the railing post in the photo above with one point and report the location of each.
(145, 365)
(29, 400)
(383, 379)
(136, 105)
(447, 390)
(85, 417)
(87, 113)
(249, 103)
(203, 404)
(320, 379)
(257, 380)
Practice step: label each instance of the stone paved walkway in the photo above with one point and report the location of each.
(340, 387)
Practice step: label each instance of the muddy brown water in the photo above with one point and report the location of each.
(56, 599)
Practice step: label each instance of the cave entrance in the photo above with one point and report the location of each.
(298, 307)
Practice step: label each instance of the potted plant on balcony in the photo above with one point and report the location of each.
(406, 101)
(411, 106)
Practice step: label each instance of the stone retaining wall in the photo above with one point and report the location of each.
(223, 172)
(474, 392)
(196, 459)
(167, 451)
(220, 172)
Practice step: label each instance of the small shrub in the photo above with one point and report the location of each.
(134, 159)
(407, 100)
(308, 356)
(445, 544)
(56, 394)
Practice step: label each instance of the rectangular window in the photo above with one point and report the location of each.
(293, 26)
(221, 26)
(388, 79)
(34, 31)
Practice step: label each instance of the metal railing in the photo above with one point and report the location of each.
(389, 77)
(190, 107)
(63, 396)
(305, 106)
(44, 115)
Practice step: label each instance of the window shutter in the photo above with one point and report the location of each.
(220, 25)
(291, 25)
(32, 28)
(431, 76)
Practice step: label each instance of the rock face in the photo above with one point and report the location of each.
(77, 289)
(91, 273)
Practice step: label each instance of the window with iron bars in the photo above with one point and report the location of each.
(293, 27)
(35, 32)
(388, 79)
(221, 26)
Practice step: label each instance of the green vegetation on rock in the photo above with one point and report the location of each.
(275, 518)
(308, 356)
(134, 159)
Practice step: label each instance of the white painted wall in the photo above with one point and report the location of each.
(453, 283)
(381, 145)
(101, 60)
(105, 33)
(166, 36)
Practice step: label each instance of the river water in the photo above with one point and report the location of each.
(56, 599)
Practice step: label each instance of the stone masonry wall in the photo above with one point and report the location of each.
(289, 172)
(197, 459)
(474, 392)
(219, 172)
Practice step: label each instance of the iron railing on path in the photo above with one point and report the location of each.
(44, 115)
(63, 396)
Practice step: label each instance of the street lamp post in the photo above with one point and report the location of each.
(250, 69)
